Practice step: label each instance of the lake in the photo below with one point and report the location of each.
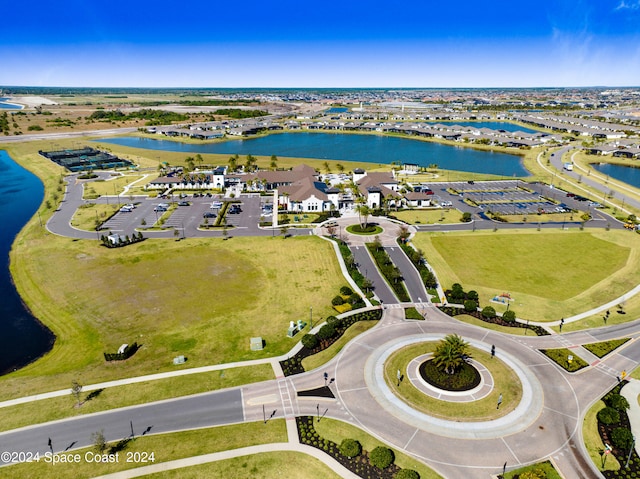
(8, 106)
(376, 149)
(492, 125)
(626, 174)
(23, 338)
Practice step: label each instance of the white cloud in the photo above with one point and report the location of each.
(628, 5)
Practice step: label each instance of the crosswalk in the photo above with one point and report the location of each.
(285, 396)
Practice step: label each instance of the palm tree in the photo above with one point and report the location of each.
(274, 162)
(340, 167)
(233, 163)
(451, 353)
(363, 212)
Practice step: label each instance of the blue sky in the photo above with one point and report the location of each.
(321, 44)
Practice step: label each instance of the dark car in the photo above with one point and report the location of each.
(207, 214)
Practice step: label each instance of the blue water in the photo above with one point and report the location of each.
(8, 106)
(493, 125)
(376, 149)
(626, 174)
(336, 110)
(23, 338)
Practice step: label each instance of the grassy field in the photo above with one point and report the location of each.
(432, 216)
(201, 298)
(112, 187)
(166, 447)
(549, 274)
(506, 382)
(266, 465)
(86, 217)
(336, 431)
(45, 410)
(546, 466)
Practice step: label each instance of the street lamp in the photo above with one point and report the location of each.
(633, 445)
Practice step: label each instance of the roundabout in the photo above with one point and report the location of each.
(528, 408)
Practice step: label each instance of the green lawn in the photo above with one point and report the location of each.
(593, 442)
(166, 447)
(505, 380)
(112, 187)
(311, 362)
(432, 216)
(266, 465)
(336, 431)
(202, 298)
(549, 274)
(546, 466)
(465, 318)
(86, 216)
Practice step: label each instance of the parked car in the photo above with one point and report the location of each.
(183, 203)
(208, 214)
(159, 208)
(126, 209)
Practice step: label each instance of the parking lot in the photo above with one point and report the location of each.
(509, 197)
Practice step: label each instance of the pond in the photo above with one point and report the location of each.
(22, 337)
(626, 174)
(375, 149)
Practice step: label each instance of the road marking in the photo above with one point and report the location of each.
(285, 396)
(411, 439)
(560, 412)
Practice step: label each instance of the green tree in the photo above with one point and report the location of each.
(466, 217)
(274, 162)
(250, 163)
(470, 305)
(407, 474)
(509, 316)
(233, 162)
(363, 211)
(309, 341)
(76, 389)
(451, 353)
(99, 441)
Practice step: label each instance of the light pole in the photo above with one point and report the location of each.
(633, 444)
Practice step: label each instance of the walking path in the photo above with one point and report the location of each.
(631, 391)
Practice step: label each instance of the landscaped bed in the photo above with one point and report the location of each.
(566, 359)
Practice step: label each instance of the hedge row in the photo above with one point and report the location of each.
(328, 334)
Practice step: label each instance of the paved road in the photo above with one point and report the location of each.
(368, 268)
(410, 275)
(548, 424)
(204, 410)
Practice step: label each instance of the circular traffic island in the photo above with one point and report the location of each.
(466, 378)
(369, 229)
(484, 389)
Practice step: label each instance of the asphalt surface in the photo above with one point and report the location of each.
(203, 410)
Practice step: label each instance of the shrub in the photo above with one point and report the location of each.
(350, 448)
(617, 401)
(466, 217)
(407, 474)
(333, 321)
(337, 301)
(346, 291)
(327, 332)
(470, 306)
(488, 312)
(381, 457)
(509, 316)
(534, 474)
(309, 341)
(622, 438)
(608, 415)
(473, 295)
